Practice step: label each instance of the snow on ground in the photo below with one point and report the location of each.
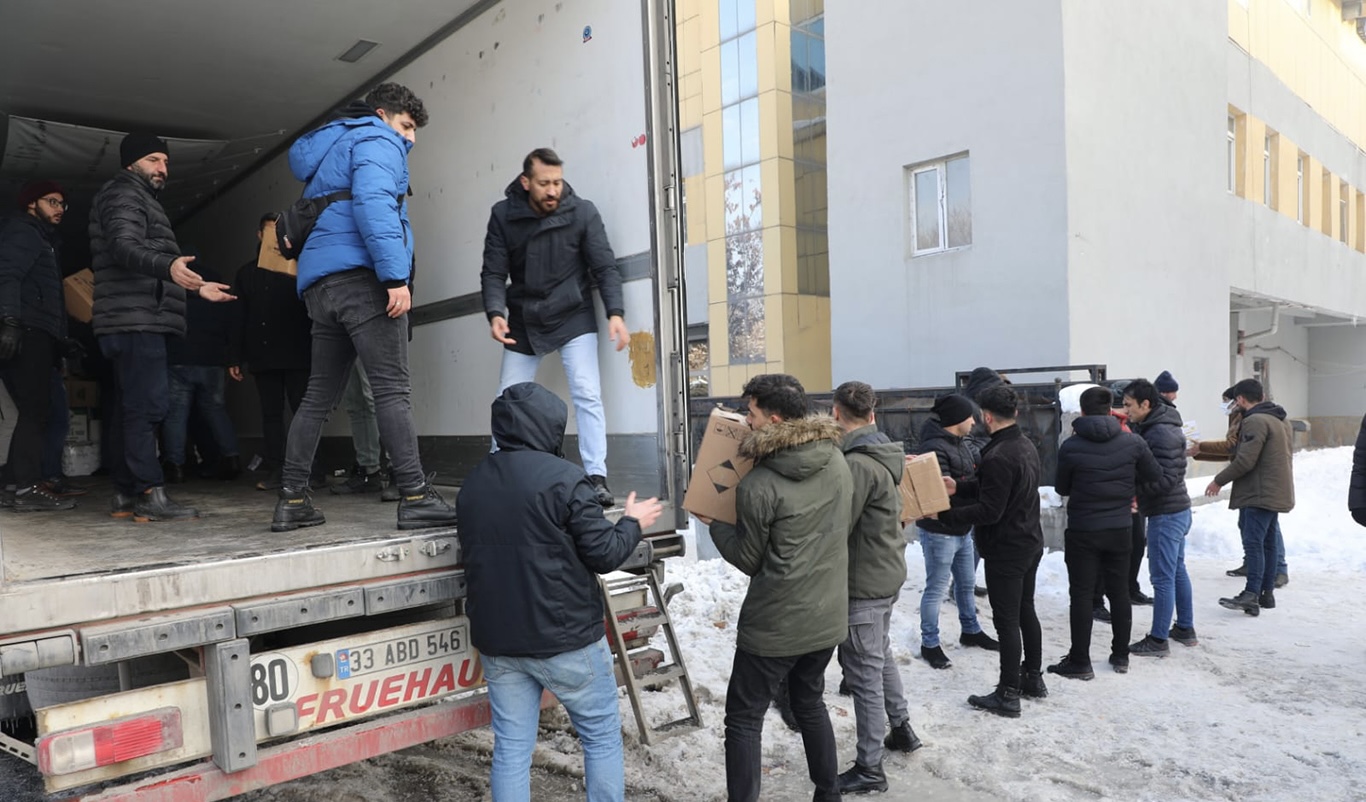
(1266, 708)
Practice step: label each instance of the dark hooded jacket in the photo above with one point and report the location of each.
(1098, 470)
(792, 539)
(1356, 492)
(132, 248)
(1161, 430)
(533, 536)
(30, 278)
(541, 271)
(1003, 501)
(1261, 470)
(273, 331)
(958, 458)
(877, 550)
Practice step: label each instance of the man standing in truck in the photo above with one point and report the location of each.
(545, 251)
(354, 276)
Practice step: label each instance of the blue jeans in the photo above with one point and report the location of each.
(1260, 529)
(584, 683)
(947, 557)
(199, 387)
(1167, 571)
(580, 359)
(140, 404)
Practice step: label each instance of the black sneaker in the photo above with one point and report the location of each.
(1282, 580)
(1100, 613)
(155, 505)
(358, 482)
(422, 508)
(295, 510)
(1032, 684)
(36, 499)
(1138, 597)
(981, 640)
(1120, 663)
(1185, 636)
(902, 738)
(603, 495)
(1150, 647)
(61, 487)
(863, 779)
(934, 655)
(1267, 600)
(121, 505)
(1072, 669)
(1247, 601)
(1239, 571)
(1003, 702)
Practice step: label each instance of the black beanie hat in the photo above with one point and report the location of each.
(34, 190)
(137, 145)
(952, 409)
(1166, 383)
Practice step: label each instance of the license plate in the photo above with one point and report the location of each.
(358, 661)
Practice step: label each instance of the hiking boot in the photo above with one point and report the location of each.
(902, 738)
(1138, 597)
(1150, 647)
(121, 505)
(1239, 571)
(934, 655)
(1246, 601)
(294, 510)
(1100, 613)
(1120, 663)
(61, 487)
(1072, 669)
(423, 507)
(155, 505)
(390, 491)
(36, 499)
(862, 779)
(1032, 685)
(1282, 580)
(358, 482)
(981, 640)
(1003, 702)
(1267, 600)
(173, 474)
(601, 494)
(1185, 636)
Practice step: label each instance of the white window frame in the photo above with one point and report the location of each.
(1232, 146)
(1299, 190)
(1343, 211)
(1266, 170)
(940, 169)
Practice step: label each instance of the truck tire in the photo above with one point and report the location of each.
(13, 701)
(54, 686)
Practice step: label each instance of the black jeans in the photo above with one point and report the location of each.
(350, 323)
(142, 398)
(753, 683)
(1010, 589)
(1138, 546)
(275, 388)
(28, 380)
(1095, 561)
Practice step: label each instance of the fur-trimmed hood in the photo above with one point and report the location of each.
(780, 446)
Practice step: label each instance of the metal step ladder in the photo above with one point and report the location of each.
(629, 633)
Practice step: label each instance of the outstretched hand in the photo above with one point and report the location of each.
(645, 512)
(215, 292)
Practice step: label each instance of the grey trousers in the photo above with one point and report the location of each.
(872, 675)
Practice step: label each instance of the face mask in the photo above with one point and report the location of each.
(1229, 406)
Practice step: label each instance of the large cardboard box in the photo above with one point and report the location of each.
(79, 291)
(270, 257)
(922, 488)
(718, 469)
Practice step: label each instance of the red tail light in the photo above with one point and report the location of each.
(111, 742)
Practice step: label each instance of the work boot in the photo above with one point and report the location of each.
(1032, 684)
(173, 474)
(36, 499)
(358, 482)
(390, 491)
(1072, 669)
(1239, 571)
(1099, 613)
(934, 655)
(155, 505)
(1185, 636)
(981, 640)
(61, 487)
(1003, 702)
(121, 505)
(1246, 601)
(1282, 580)
(294, 510)
(1120, 663)
(902, 738)
(783, 703)
(423, 507)
(602, 495)
(862, 779)
(1267, 599)
(1150, 647)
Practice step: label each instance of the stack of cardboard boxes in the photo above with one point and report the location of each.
(81, 455)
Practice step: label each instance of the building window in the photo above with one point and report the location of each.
(740, 158)
(1361, 222)
(1268, 171)
(1299, 190)
(1342, 211)
(1231, 146)
(1326, 213)
(940, 200)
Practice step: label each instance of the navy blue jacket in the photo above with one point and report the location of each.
(1099, 469)
(1162, 431)
(30, 278)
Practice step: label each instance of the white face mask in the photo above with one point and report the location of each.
(1229, 406)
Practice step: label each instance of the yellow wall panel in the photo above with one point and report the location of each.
(689, 46)
(714, 202)
(1313, 193)
(716, 333)
(768, 66)
(769, 133)
(780, 257)
(1237, 23)
(1256, 172)
(694, 189)
(776, 350)
(713, 157)
(711, 80)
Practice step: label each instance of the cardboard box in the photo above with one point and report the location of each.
(718, 469)
(922, 488)
(78, 431)
(79, 291)
(82, 394)
(270, 258)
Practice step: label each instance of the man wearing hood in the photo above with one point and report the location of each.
(792, 539)
(1263, 488)
(545, 251)
(533, 540)
(1167, 506)
(355, 273)
(877, 569)
(1098, 471)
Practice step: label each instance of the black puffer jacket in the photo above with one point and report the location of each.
(1162, 431)
(534, 537)
(1003, 501)
(1356, 492)
(1098, 470)
(958, 458)
(132, 247)
(274, 331)
(30, 278)
(553, 263)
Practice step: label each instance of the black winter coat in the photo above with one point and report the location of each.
(1003, 501)
(1098, 470)
(1162, 431)
(958, 458)
(273, 331)
(1356, 492)
(553, 263)
(534, 537)
(132, 247)
(30, 278)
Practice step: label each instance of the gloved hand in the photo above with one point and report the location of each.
(72, 348)
(11, 335)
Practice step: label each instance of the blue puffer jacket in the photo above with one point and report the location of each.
(364, 155)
